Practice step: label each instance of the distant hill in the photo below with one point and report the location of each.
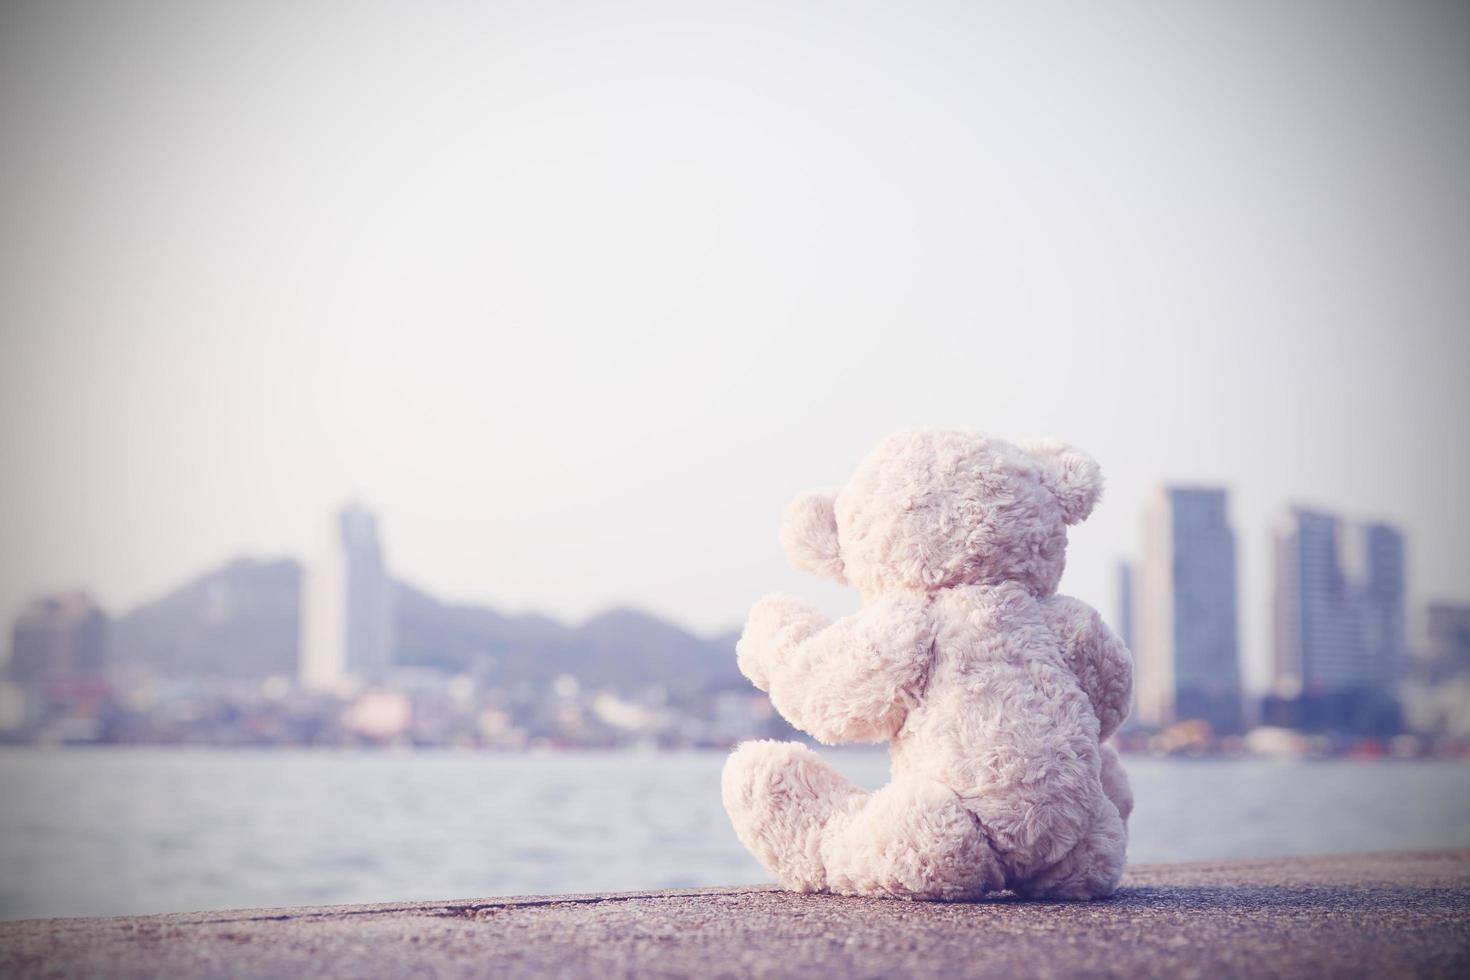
(242, 621)
(431, 633)
(237, 621)
(620, 649)
(625, 644)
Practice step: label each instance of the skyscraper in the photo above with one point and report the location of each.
(1186, 646)
(346, 608)
(1339, 623)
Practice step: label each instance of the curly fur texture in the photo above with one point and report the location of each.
(994, 692)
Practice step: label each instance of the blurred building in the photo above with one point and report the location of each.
(346, 607)
(1339, 624)
(1448, 652)
(1125, 603)
(58, 638)
(58, 689)
(1185, 637)
(1436, 692)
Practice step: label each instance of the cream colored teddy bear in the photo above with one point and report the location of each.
(995, 692)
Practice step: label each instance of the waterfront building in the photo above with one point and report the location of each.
(1184, 623)
(346, 608)
(1339, 624)
(58, 638)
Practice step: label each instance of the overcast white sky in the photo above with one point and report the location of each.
(577, 295)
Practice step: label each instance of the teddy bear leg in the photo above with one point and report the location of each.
(779, 796)
(912, 839)
(1115, 783)
(1090, 870)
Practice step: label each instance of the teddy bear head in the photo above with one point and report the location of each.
(936, 509)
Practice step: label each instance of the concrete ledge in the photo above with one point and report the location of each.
(1368, 915)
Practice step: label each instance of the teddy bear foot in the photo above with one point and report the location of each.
(1095, 866)
(780, 795)
(1090, 870)
(913, 839)
(816, 831)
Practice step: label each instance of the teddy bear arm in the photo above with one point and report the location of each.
(775, 626)
(1103, 665)
(856, 680)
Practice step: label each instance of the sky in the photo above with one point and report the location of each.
(578, 295)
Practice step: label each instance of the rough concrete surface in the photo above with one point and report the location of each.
(1386, 915)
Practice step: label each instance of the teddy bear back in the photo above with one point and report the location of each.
(940, 508)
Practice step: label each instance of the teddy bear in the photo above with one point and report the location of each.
(994, 693)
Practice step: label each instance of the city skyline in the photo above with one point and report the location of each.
(340, 628)
(1094, 582)
(353, 548)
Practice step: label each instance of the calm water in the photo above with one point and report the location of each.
(93, 832)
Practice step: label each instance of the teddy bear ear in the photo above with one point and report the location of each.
(809, 536)
(1071, 475)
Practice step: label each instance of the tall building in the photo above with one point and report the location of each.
(58, 638)
(346, 608)
(1339, 624)
(1186, 645)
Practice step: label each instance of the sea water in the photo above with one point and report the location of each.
(135, 830)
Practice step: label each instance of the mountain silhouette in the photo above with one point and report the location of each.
(242, 621)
